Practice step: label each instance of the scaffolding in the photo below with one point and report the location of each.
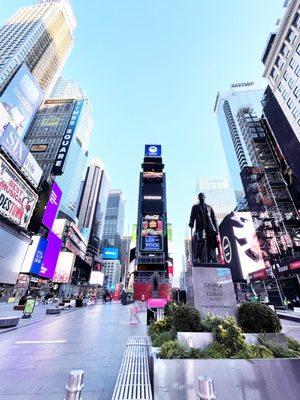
(275, 216)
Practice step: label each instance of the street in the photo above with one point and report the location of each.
(90, 338)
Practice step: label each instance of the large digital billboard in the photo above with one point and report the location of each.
(17, 199)
(152, 233)
(152, 150)
(240, 245)
(38, 257)
(51, 255)
(52, 206)
(20, 101)
(64, 267)
(110, 253)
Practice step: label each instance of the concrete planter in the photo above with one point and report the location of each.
(198, 340)
(232, 379)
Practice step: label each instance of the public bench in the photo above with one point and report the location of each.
(9, 322)
(53, 311)
(19, 307)
(134, 380)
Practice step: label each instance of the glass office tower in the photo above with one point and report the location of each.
(226, 107)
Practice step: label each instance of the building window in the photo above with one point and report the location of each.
(296, 21)
(292, 63)
(279, 63)
(297, 71)
(295, 112)
(285, 76)
(291, 82)
(296, 92)
(274, 74)
(284, 94)
(290, 103)
(291, 37)
(280, 87)
(298, 49)
(285, 50)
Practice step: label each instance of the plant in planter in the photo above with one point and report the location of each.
(210, 323)
(186, 319)
(172, 349)
(163, 325)
(230, 335)
(159, 339)
(281, 351)
(258, 317)
(169, 308)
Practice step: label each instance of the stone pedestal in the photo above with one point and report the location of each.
(210, 290)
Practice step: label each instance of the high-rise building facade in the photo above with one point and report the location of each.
(281, 100)
(219, 194)
(40, 36)
(226, 108)
(92, 205)
(114, 220)
(281, 59)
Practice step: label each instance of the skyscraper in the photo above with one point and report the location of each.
(41, 36)
(219, 194)
(92, 205)
(281, 100)
(226, 107)
(114, 220)
(281, 59)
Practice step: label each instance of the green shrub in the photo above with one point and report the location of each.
(160, 338)
(172, 349)
(277, 350)
(254, 351)
(215, 350)
(293, 344)
(258, 317)
(169, 308)
(230, 335)
(195, 353)
(186, 319)
(210, 323)
(163, 325)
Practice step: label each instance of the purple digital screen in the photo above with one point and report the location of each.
(51, 255)
(52, 206)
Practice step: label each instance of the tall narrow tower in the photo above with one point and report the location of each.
(151, 278)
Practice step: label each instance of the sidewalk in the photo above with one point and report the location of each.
(39, 314)
(289, 315)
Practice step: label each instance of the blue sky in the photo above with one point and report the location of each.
(152, 70)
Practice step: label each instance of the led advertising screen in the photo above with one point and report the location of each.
(110, 253)
(152, 233)
(52, 206)
(152, 150)
(51, 255)
(38, 257)
(30, 254)
(17, 200)
(20, 101)
(13, 146)
(240, 245)
(32, 170)
(96, 278)
(12, 253)
(64, 267)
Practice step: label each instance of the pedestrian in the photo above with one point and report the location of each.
(103, 298)
(110, 298)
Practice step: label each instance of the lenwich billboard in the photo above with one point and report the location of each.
(17, 199)
(152, 233)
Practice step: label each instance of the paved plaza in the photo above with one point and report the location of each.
(90, 338)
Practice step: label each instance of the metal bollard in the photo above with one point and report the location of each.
(75, 385)
(206, 388)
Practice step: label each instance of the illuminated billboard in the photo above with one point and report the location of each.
(110, 253)
(20, 101)
(240, 245)
(152, 150)
(52, 206)
(17, 199)
(96, 278)
(152, 233)
(51, 255)
(64, 267)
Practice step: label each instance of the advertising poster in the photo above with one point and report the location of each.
(52, 206)
(32, 170)
(13, 146)
(64, 267)
(96, 278)
(152, 233)
(110, 253)
(29, 306)
(17, 200)
(51, 256)
(20, 100)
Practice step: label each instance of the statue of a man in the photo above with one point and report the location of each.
(206, 232)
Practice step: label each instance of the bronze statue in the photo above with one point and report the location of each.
(206, 232)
